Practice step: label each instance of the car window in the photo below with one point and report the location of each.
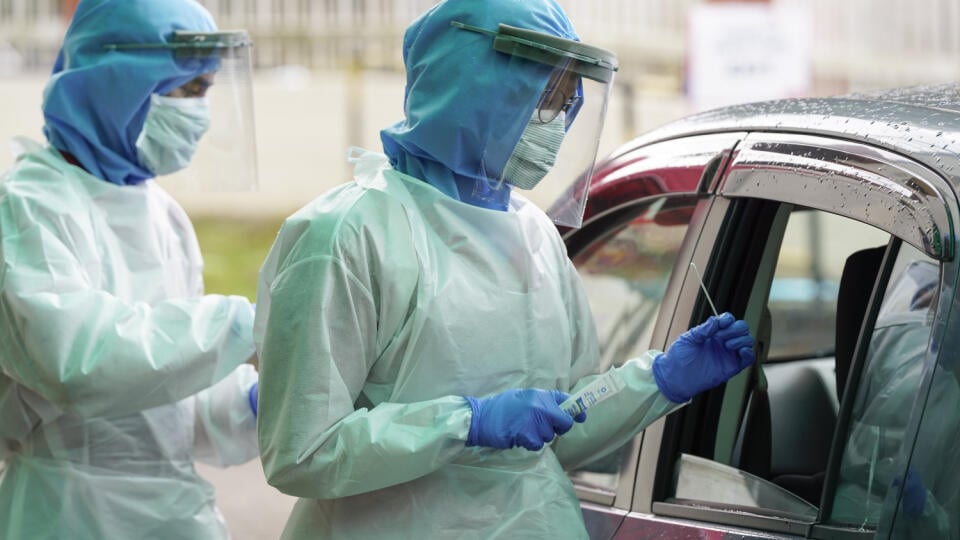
(876, 443)
(804, 290)
(625, 275)
(890, 476)
(782, 427)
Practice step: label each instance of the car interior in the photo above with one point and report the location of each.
(785, 426)
(792, 411)
(787, 420)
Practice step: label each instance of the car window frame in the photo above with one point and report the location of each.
(850, 166)
(687, 305)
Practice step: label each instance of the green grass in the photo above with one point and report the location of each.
(233, 251)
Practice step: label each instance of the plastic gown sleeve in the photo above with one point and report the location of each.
(318, 344)
(225, 431)
(93, 354)
(613, 422)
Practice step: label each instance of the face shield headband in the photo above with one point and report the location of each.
(192, 44)
(591, 62)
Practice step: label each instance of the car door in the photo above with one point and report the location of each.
(804, 237)
(637, 219)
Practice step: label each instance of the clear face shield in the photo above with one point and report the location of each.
(555, 156)
(200, 135)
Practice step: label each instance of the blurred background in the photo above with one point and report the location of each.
(328, 75)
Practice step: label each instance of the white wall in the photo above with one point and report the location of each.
(304, 128)
(301, 124)
(858, 44)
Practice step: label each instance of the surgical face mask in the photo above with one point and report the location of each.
(171, 133)
(535, 153)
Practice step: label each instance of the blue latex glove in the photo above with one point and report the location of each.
(704, 357)
(527, 417)
(253, 396)
(914, 493)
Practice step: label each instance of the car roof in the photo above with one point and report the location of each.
(921, 122)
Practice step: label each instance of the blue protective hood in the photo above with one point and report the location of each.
(96, 101)
(466, 105)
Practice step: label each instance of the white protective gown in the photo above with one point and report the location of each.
(115, 374)
(379, 306)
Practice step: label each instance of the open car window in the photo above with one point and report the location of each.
(884, 467)
(770, 450)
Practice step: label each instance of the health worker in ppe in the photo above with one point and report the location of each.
(116, 372)
(871, 472)
(418, 327)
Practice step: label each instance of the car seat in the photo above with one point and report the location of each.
(856, 287)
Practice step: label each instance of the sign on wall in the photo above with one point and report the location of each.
(747, 51)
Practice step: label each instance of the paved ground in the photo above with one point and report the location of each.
(253, 509)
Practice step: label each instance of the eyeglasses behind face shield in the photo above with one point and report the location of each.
(563, 93)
